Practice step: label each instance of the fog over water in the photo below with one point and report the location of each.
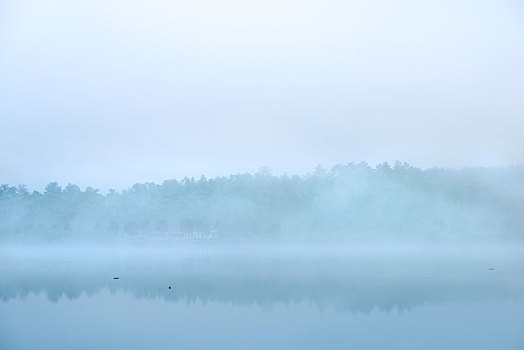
(264, 295)
(262, 175)
(356, 278)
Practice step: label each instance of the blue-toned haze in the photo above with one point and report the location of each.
(408, 236)
(109, 93)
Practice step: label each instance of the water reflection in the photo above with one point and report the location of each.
(345, 282)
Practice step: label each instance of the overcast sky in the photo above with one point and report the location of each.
(111, 92)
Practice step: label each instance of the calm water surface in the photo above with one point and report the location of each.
(245, 297)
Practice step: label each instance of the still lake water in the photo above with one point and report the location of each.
(246, 297)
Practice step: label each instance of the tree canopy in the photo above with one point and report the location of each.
(350, 200)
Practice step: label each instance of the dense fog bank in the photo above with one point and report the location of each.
(352, 201)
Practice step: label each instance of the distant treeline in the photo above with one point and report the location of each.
(348, 201)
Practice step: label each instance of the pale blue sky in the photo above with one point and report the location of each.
(112, 92)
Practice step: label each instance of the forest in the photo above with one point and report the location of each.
(349, 201)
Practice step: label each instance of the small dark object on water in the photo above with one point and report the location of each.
(169, 287)
(116, 278)
(491, 269)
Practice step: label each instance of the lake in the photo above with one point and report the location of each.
(262, 297)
